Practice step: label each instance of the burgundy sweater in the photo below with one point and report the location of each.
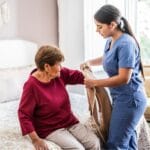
(45, 107)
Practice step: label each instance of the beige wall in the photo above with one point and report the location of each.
(34, 20)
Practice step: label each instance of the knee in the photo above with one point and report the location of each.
(79, 147)
(95, 144)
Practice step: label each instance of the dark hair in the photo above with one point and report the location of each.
(48, 54)
(108, 13)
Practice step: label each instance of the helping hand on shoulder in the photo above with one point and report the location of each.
(90, 83)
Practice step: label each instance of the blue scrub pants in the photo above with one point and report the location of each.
(126, 114)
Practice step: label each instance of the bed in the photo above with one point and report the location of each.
(16, 62)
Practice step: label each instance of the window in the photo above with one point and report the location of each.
(143, 29)
(93, 43)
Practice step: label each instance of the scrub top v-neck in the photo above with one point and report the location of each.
(123, 54)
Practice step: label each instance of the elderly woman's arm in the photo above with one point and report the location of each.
(37, 141)
(25, 112)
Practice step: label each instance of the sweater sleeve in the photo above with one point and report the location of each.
(71, 76)
(26, 109)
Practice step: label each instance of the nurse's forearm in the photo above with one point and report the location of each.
(110, 82)
(123, 77)
(95, 62)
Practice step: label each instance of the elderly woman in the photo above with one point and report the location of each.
(45, 112)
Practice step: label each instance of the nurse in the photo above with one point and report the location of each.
(122, 62)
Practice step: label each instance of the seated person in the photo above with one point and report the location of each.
(44, 111)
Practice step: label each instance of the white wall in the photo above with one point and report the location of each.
(71, 31)
(10, 30)
(34, 20)
(71, 35)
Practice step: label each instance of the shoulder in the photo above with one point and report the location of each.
(127, 43)
(71, 76)
(126, 39)
(64, 70)
(67, 71)
(29, 83)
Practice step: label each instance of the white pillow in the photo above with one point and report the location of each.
(11, 82)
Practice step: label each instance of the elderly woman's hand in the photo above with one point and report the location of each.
(40, 144)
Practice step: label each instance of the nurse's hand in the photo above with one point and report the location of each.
(89, 83)
(85, 65)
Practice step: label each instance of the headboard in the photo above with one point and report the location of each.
(16, 53)
(16, 62)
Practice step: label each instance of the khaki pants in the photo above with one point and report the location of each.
(77, 137)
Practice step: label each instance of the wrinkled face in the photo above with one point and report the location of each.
(53, 71)
(105, 30)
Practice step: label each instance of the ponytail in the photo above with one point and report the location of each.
(108, 13)
(125, 27)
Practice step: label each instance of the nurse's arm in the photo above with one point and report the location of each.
(95, 62)
(123, 77)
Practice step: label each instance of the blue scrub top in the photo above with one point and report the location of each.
(123, 54)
